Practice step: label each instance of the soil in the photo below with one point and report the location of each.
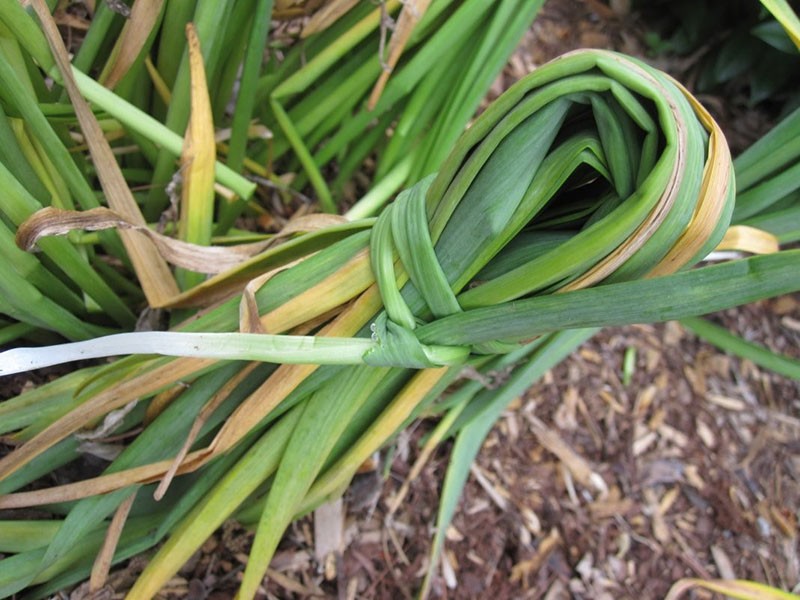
(599, 483)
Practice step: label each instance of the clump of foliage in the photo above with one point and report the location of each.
(577, 200)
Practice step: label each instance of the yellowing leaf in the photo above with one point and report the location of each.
(199, 152)
(737, 588)
(327, 16)
(159, 85)
(198, 158)
(714, 192)
(144, 15)
(748, 239)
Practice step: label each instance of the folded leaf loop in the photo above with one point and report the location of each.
(397, 346)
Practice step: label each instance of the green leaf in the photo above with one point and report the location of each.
(729, 342)
(775, 35)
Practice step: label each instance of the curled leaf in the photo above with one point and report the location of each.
(202, 259)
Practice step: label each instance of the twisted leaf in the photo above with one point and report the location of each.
(596, 170)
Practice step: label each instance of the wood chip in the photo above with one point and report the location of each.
(591, 356)
(523, 569)
(449, 566)
(497, 494)
(329, 568)
(290, 584)
(705, 433)
(785, 521)
(477, 506)
(644, 400)
(652, 359)
(352, 589)
(643, 442)
(674, 436)
(790, 323)
(578, 466)
(525, 537)
(723, 563)
(531, 521)
(659, 525)
(623, 544)
(673, 333)
(515, 404)
(611, 508)
(784, 305)
(696, 379)
(328, 529)
(565, 415)
(692, 475)
(290, 561)
(612, 402)
(659, 471)
(726, 402)
(657, 419)
(668, 500)
(557, 591)
(512, 426)
(453, 535)
(569, 484)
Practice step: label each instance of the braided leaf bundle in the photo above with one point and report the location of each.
(596, 171)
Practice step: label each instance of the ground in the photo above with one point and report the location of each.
(589, 486)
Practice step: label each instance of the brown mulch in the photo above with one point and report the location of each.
(694, 462)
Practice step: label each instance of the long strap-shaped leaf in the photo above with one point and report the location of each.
(691, 293)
